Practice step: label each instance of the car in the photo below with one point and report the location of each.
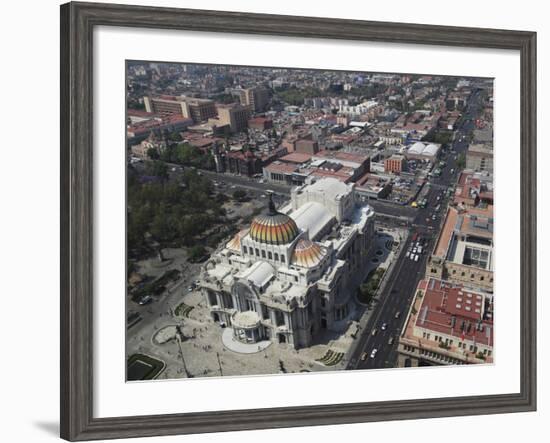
(384, 326)
(416, 257)
(397, 314)
(363, 356)
(145, 300)
(434, 217)
(191, 288)
(373, 353)
(407, 254)
(391, 340)
(374, 332)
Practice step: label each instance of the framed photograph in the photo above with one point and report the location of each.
(272, 221)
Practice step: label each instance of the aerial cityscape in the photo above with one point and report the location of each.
(295, 220)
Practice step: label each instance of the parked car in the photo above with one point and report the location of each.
(363, 356)
(397, 314)
(145, 300)
(391, 340)
(374, 332)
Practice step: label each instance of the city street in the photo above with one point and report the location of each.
(396, 297)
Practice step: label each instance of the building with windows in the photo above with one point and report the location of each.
(197, 109)
(233, 115)
(395, 164)
(256, 98)
(448, 324)
(463, 253)
(480, 158)
(293, 273)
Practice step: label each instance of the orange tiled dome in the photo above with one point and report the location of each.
(307, 254)
(273, 228)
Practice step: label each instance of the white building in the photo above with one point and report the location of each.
(294, 272)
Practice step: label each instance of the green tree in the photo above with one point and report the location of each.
(196, 253)
(153, 153)
(239, 194)
(175, 136)
(157, 168)
(461, 161)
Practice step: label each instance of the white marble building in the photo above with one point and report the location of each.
(292, 274)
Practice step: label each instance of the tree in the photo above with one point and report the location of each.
(196, 253)
(158, 169)
(239, 194)
(461, 161)
(153, 153)
(175, 136)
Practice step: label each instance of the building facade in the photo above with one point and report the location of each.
(256, 98)
(463, 253)
(479, 158)
(291, 274)
(197, 109)
(234, 115)
(395, 164)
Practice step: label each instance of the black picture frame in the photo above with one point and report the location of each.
(77, 23)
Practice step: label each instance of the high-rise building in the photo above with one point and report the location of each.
(257, 98)
(166, 105)
(234, 115)
(197, 109)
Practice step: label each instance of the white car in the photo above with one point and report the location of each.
(407, 254)
(373, 353)
(416, 258)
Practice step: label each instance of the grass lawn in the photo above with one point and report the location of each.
(143, 367)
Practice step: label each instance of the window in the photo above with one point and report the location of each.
(245, 250)
(282, 258)
(257, 252)
(481, 278)
(263, 253)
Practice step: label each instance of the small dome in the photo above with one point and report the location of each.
(273, 228)
(307, 254)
